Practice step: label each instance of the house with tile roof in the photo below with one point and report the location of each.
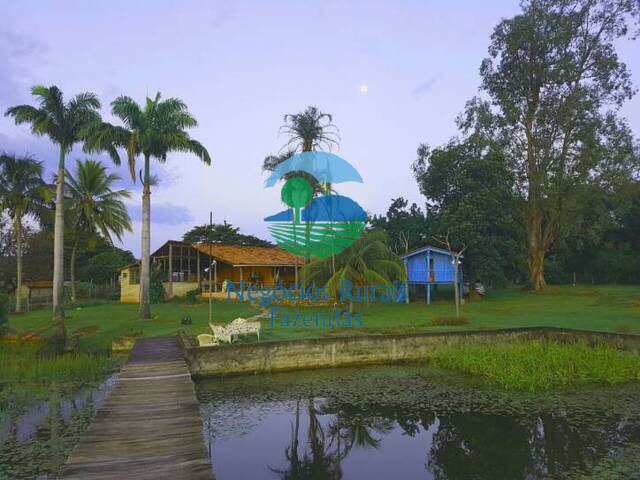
(185, 267)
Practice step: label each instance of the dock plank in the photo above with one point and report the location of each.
(149, 427)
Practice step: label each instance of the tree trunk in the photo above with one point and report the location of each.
(17, 226)
(456, 286)
(536, 268)
(536, 252)
(145, 263)
(72, 271)
(58, 242)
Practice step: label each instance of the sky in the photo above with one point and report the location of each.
(240, 66)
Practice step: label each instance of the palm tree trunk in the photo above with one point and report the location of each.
(58, 242)
(145, 263)
(17, 225)
(72, 271)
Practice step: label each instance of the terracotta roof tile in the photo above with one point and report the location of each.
(250, 256)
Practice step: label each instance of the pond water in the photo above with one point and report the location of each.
(36, 438)
(413, 422)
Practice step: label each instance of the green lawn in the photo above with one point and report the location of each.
(604, 308)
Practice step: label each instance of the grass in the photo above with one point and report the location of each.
(26, 374)
(97, 324)
(541, 365)
(601, 308)
(23, 363)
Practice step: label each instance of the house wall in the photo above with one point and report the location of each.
(418, 268)
(128, 293)
(264, 274)
(180, 289)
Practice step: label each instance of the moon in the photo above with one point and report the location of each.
(364, 89)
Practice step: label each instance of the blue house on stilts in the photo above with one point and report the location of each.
(431, 266)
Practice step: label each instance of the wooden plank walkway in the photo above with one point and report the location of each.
(149, 427)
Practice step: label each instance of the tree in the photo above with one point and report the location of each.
(23, 192)
(310, 130)
(94, 208)
(469, 185)
(368, 261)
(64, 124)
(105, 265)
(152, 131)
(555, 83)
(456, 255)
(222, 233)
(406, 228)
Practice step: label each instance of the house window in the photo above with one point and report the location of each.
(432, 272)
(135, 276)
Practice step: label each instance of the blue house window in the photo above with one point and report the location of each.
(432, 272)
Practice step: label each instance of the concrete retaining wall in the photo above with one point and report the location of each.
(366, 349)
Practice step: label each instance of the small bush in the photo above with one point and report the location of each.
(4, 313)
(156, 289)
(449, 321)
(192, 295)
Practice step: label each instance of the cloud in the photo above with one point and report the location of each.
(18, 53)
(425, 86)
(162, 214)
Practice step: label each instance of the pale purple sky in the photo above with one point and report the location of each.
(240, 66)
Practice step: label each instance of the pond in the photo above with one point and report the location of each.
(414, 422)
(37, 437)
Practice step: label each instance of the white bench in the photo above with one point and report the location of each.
(242, 326)
(221, 333)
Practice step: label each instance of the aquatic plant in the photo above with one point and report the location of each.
(538, 365)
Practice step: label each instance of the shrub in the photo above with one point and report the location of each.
(192, 295)
(4, 313)
(156, 289)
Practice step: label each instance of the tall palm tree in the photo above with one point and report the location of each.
(94, 208)
(310, 130)
(22, 192)
(151, 131)
(63, 123)
(368, 261)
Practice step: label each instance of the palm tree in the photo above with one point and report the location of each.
(368, 261)
(94, 208)
(310, 130)
(63, 123)
(22, 192)
(153, 132)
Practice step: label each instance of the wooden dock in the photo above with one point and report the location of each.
(149, 427)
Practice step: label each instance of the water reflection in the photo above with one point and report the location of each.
(36, 440)
(406, 423)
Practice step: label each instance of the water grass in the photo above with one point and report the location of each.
(26, 374)
(22, 362)
(540, 365)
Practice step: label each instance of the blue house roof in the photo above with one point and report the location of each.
(428, 248)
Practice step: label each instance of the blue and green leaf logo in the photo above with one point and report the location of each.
(318, 222)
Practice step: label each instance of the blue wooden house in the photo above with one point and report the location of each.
(431, 266)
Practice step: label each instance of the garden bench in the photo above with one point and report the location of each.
(242, 326)
(221, 333)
